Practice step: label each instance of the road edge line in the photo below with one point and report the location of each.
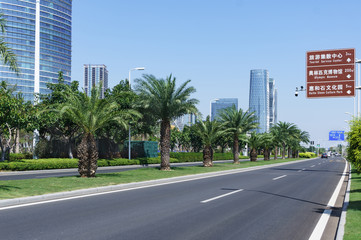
(322, 222)
(346, 202)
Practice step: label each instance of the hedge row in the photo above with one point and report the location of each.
(20, 162)
(198, 156)
(307, 155)
(60, 163)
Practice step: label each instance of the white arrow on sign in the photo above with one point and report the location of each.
(349, 76)
(349, 92)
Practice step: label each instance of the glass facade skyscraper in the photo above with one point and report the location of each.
(222, 103)
(259, 98)
(272, 102)
(93, 75)
(39, 33)
(185, 120)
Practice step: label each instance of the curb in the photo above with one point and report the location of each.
(25, 201)
(342, 222)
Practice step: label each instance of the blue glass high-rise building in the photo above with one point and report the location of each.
(259, 98)
(39, 32)
(218, 105)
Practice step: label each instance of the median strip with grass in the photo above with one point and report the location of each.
(31, 187)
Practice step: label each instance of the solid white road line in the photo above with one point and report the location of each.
(321, 225)
(279, 177)
(224, 195)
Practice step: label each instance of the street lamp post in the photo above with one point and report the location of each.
(130, 87)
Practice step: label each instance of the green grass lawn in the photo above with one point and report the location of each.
(32, 187)
(353, 217)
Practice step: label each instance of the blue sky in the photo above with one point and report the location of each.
(217, 43)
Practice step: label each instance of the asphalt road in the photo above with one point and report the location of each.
(21, 175)
(282, 202)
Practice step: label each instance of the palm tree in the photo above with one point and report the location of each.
(209, 131)
(90, 114)
(7, 56)
(276, 140)
(236, 123)
(301, 136)
(285, 132)
(166, 102)
(254, 143)
(267, 141)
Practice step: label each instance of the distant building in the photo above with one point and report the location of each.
(39, 33)
(185, 120)
(272, 102)
(217, 105)
(259, 98)
(93, 75)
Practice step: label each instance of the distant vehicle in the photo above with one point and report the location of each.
(324, 155)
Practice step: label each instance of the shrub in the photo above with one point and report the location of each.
(18, 156)
(39, 164)
(198, 156)
(307, 155)
(60, 163)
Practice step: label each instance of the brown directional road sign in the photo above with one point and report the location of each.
(330, 73)
(331, 57)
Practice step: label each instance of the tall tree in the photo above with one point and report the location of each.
(50, 123)
(166, 102)
(14, 114)
(285, 132)
(90, 114)
(277, 140)
(267, 142)
(209, 131)
(8, 57)
(299, 137)
(237, 122)
(254, 143)
(354, 144)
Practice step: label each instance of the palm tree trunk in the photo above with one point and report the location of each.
(253, 155)
(276, 153)
(284, 151)
(88, 156)
(266, 154)
(294, 152)
(164, 145)
(70, 151)
(289, 152)
(208, 156)
(235, 150)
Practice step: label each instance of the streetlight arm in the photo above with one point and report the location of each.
(133, 69)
